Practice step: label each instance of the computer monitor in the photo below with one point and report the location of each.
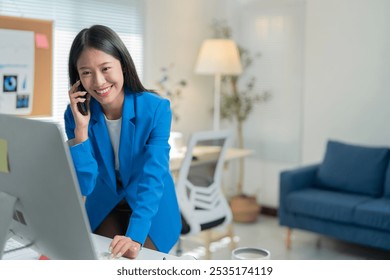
(40, 200)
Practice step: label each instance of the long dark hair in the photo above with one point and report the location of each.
(106, 40)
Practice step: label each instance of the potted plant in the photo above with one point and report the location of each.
(238, 98)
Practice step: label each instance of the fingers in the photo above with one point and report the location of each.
(74, 87)
(75, 94)
(124, 246)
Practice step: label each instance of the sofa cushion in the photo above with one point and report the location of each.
(353, 168)
(374, 213)
(324, 204)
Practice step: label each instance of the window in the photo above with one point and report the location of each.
(69, 17)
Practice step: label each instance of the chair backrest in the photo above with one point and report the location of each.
(198, 185)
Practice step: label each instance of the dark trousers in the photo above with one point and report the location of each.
(117, 221)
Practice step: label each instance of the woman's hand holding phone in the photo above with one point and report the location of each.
(82, 106)
(78, 95)
(79, 102)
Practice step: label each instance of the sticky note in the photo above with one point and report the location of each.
(41, 41)
(4, 156)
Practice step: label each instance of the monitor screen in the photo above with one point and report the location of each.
(40, 201)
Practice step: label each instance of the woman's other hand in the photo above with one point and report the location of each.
(124, 246)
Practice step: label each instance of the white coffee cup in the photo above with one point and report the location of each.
(249, 253)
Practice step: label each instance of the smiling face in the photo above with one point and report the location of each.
(102, 76)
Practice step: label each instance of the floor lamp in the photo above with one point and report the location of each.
(218, 57)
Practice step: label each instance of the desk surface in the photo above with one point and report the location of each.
(101, 245)
(206, 152)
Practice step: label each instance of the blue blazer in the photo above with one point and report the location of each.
(147, 182)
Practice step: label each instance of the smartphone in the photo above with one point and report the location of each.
(82, 106)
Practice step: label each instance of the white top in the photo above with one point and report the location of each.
(114, 130)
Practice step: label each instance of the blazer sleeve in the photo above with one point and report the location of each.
(154, 173)
(82, 156)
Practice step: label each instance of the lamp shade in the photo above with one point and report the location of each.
(218, 56)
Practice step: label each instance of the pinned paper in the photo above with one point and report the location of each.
(41, 41)
(4, 156)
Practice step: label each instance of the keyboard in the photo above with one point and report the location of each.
(107, 256)
(14, 250)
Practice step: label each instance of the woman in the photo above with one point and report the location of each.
(120, 146)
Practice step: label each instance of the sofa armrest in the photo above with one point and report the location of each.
(295, 179)
(299, 178)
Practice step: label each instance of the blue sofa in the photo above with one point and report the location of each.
(346, 196)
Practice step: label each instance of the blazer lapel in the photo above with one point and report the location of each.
(103, 143)
(127, 138)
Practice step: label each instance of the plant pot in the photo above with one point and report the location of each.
(245, 209)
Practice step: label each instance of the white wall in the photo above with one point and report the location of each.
(174, 31)
(347, 71)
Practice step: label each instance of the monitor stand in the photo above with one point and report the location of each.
(7, 207)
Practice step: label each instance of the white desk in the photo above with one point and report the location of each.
(101, 244)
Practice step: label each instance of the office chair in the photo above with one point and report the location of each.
(198, 185)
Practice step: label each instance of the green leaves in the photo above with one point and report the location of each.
(171, 89)
(238, 104)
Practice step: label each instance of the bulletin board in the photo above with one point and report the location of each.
(43, 61)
